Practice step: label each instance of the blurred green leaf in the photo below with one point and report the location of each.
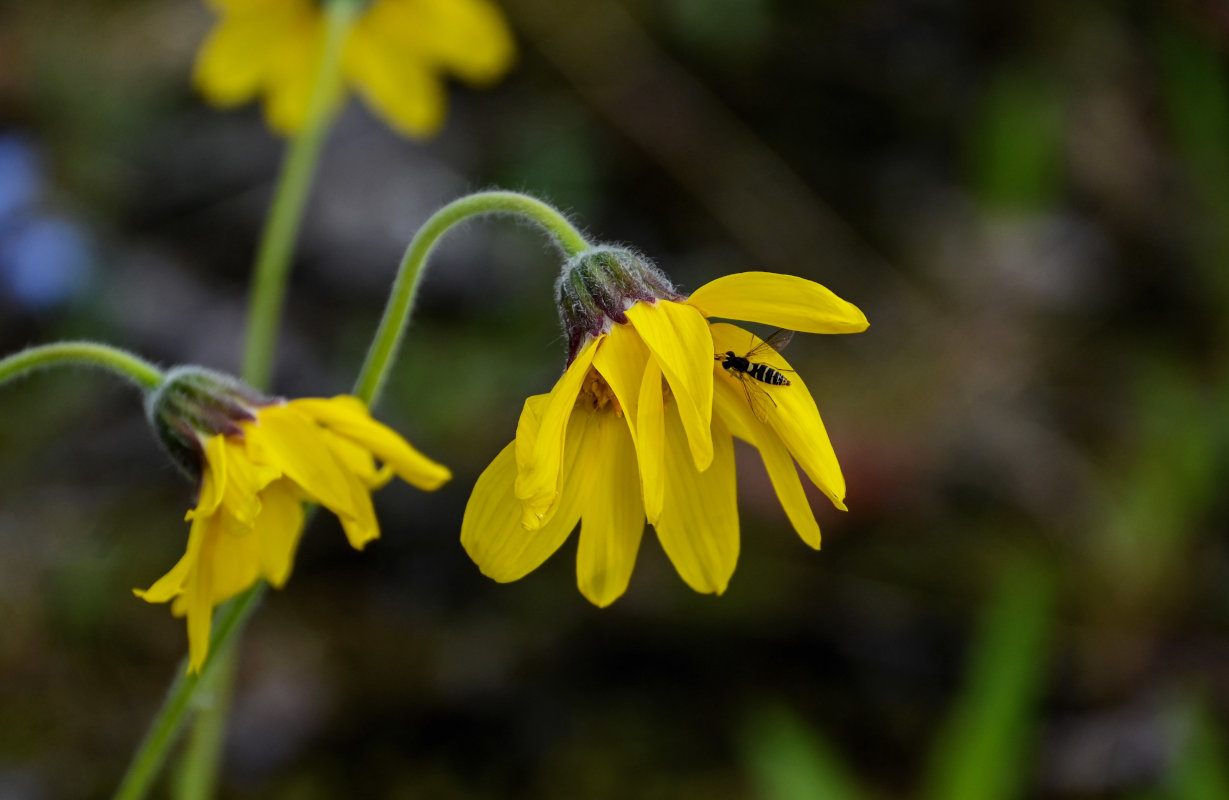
(1201, 770)
(1169, 480)
(1016, 142)
(982, 750)
(788, 761)
(1195, 89)
(1196, 93)
(729, 28)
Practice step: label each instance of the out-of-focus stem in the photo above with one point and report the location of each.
(290, 198)
(149, 757)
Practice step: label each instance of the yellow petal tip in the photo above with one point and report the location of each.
(437, 480)
(361, 543)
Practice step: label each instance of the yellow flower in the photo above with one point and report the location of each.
(397, 56)
(268, 458)
(611, 445)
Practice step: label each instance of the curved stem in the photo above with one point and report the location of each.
(147, 761)
(289, 200)
(388, 337)
(85, 354)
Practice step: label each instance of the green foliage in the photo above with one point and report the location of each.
(1161, 490)
(727, 28)
(788, 761)
(982, 751)
(1016, 141)
(1196, 94)
(1201, 769)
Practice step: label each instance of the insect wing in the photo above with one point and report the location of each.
(777, 340)
(759, 399)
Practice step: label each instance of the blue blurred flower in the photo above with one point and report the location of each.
(45, 259)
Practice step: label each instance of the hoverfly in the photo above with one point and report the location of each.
(751, 373)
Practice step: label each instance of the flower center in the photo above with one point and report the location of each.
(596, 395)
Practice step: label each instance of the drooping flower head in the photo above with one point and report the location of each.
(258, 459)
(397, 56)
(641, 427)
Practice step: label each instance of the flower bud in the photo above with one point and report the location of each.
(599, 285)
(195, 403)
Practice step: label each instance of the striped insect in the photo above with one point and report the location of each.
(751, 373)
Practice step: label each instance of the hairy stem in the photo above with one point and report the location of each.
(83, 354)
(387, 341)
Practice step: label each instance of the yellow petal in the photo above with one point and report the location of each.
(360, 526)
(465, 37)
(651, 440)
(358, 461)
(528, 426)
(171, 584)
(620, 362)
(730, 404)
(794, 416)
(540, 458)
(284, 438)
(230, 64)
(346, 416)
(197, 599)
(625, 363)
(262, 8)
(244, 482)
(526, 437)
(395, 82)
(233, 63)
(612, 520)
(234, 562)
(213, 477)
(277, 532)
(293, 63)
(491, 531)
(785, 301)
(698, 527)
(678, 337)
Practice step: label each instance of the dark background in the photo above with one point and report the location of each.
(1028, 596)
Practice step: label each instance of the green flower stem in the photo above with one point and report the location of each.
(84, 354)
(197, 778)
(231, 618)
(388, 337)
(147, 761)
(264, 314)
(290, 198)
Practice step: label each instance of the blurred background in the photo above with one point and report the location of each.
(1029, 596)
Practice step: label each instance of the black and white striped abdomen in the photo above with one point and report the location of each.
(766, 374)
